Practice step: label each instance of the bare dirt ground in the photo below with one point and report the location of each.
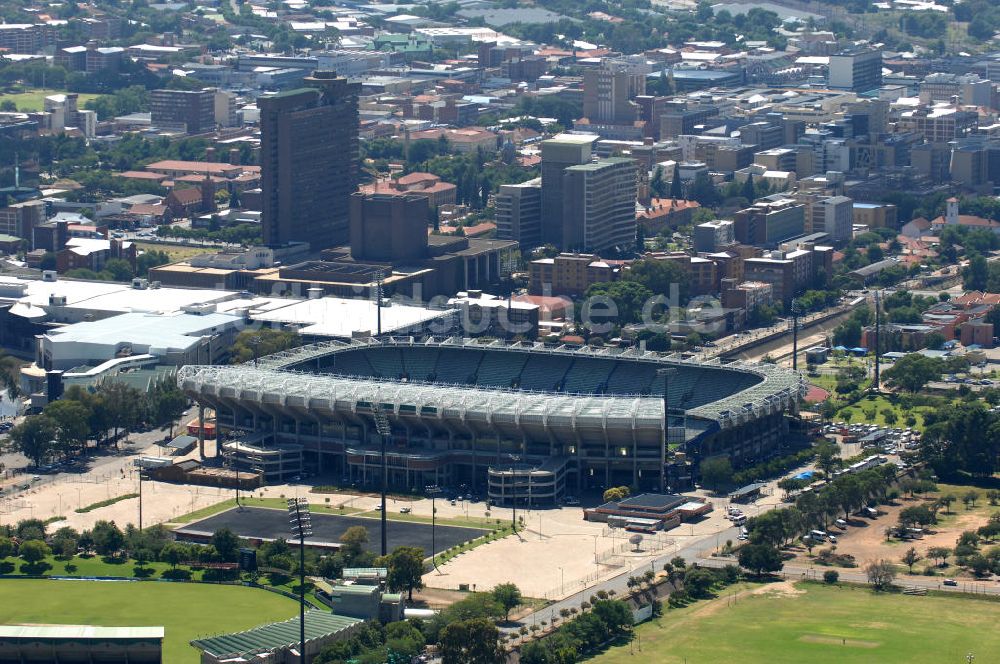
(865, 538)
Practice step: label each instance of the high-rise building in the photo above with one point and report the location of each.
(194, 110)
(599, 205)
(608, 91)
(769, 222)
(833, 215)
(859, 70)
(558, 154)
(309, 161)
(519, 212)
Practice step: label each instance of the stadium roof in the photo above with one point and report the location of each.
(273, 382)
(76, 632)
(275, 635)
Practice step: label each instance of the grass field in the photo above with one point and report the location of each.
(817, 624)
(879, 404)
(175, 252)
(185, 610)
(32, 101)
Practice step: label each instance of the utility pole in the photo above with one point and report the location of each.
(382, 426)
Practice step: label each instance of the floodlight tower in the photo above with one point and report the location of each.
(382, 426)
(300, 521)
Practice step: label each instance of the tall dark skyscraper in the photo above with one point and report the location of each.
(309, 161)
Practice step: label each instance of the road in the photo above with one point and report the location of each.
(796, 571)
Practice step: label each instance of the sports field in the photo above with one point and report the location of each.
(33, 100)
(784, 623)
(261, 522)
(185, 610)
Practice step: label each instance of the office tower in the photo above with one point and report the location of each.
(858, 70)
(519, 212)
(194, 110)
(309, 161)
(599, 205)
(608, 91)
(558, 154)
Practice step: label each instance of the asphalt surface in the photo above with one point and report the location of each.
(264, 523)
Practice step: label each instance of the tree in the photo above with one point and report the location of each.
(405, 569)
(616, 493)
(6, 547)
(353, 540)
(34, 551)
(226, 543)
(760, 559)
(65, 541)
(749, 192)
(173, 553)
(716, 472)
(910, 558)
(252, 344)
(108, 538)
(890, 416)
(34, 437)
(508, 596)
(946, 500)
(676, 186)
(30, 529)
(629, 298)
(72, 420)
(831, 576)
(474, 641)
(698, 582)
(880, 574)
(939, 554)
(970, 498)
(912, 372)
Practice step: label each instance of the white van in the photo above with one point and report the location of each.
(818, 535)
(739, 520)
(841, 524)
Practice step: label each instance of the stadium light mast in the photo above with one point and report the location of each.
(876, 384)
(666, 373)
(382, 426)
(300, 521)
(795, 335)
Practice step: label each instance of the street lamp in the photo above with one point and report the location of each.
(300, 522)
(382, 426)
(139, 472)
(433, 492)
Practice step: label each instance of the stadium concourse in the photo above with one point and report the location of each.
(523, 423)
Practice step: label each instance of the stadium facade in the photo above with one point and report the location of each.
(524, 421)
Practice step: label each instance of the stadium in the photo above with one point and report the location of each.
(524, 421)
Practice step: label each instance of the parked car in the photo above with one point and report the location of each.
(405, 510)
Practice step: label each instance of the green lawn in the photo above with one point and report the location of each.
(881, 403)
(32, 101)
(818, 624)
(186, 611)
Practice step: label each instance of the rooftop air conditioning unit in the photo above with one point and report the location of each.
(50, 275)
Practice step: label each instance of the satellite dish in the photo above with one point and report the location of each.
(635, 540)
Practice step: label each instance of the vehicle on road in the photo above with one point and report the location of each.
(950, 582)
